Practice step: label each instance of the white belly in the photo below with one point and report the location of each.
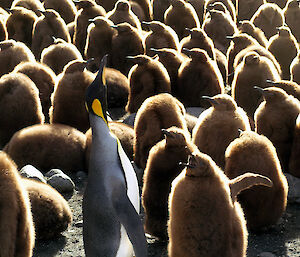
(125, 248)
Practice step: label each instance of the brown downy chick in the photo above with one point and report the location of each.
(99, 41)
(66, 8)
(59, 54)
(198, 76)
(122, 13)
(252, 152)
(12, 53)
(237, 44)
(294, 164)
(246, 8)
(295, 69)
(218, 27)
(68, 98)
(19, 104)
(163, 166)
(48, 25)
(44, 79)
(255, 32)
(51, 212)
(291, 14)
(268, 17)
(161, 36)
(225, 6)
(199, 8)
(159, 9)
(146, 6)
(218, 126)
(6, 3)
(276, 119)
(33, 5)
(292, 88)
(254, 70)
(48, 146)
(280, 3)
(147, 77)
(222, 64)
(20, 25)
(172, 60)
(198, 39)
(181, 15)
(87, 9)
(17, 228)
(285, 48)
(3, 31)
(127, 42)
(204, 211)
(157, 112)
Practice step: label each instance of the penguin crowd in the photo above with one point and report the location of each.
(203, 95)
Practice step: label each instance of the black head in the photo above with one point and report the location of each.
(96, 93)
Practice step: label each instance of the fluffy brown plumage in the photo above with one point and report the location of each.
(294, 164)
(162, 167)
(252, 152)
(292, 88)
(68, 99)
(19, 103)
(33, 5)
(247, 8)
(285, 48)
(181, 15)
(204, 211)
(66, 8)
(276, 119)
(157, 112)
(3, 31)
(159, 8)
(268, 17)
(17, 228)
(49, 25)
(295, 69)
(224, 5)
(51, 212)
(59, 54)
(291, 14)
(147, 78)
(44, 79)
(198, 76)
(253, 71)
(47, 147)
(218, 126)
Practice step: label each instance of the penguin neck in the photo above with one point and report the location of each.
(99, 127)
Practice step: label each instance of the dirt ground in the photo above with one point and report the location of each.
(282, 240)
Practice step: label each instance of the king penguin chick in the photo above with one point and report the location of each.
(262, 206)
(111, 222)
(198, 39)
(12, 53)
(218, 126)
(226, 6)
(161, 169)
(19, 104)
(218, 27)
(46, 26)
(68, 99)
(66, 8)
(20, 25)
(246, 8)
(127, 42)
(291, 14)
(99, 40)
(268, 17)
(285, 48)
(161, 36)
(188, 17)
(204, 211)
(295, 69)
(51, 212)
(276, 119)
(17, 228)
(159, 9)
(122, 13)
(254, 70)
(294, 164)
(248, 28)
(48, 146)
(33, 5)
(292, 88)
(44, 79)
(147, 78)
(87, 9)
(171, 59)
(198, 76)
(157, 112)
(59, 54)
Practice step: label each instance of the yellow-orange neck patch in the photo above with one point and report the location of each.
(97, 109)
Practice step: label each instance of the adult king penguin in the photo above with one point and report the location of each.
(111, 224)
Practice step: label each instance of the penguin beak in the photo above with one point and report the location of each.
(167, 133)
(155, 50)
(260, 90)
(41, 11)
(188, 29)
(210, 99)
(191, 164)
(91, 20)
(89, 60)
(76, 1)
(146, 23)
(268, 81)
(96, 93)
(240, 131)
(186, 51)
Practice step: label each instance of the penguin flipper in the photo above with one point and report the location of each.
(131, 221)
